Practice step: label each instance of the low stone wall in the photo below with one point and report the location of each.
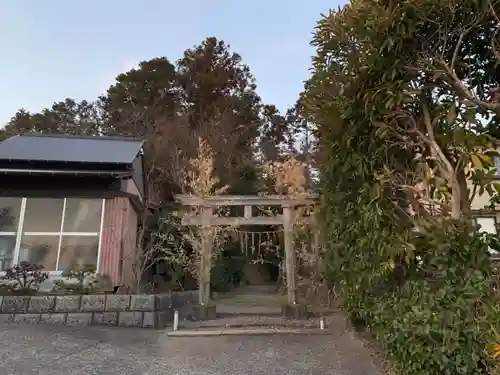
(146, 311)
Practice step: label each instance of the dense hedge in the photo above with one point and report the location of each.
(443, 317)
(429, 297)
(430, 300)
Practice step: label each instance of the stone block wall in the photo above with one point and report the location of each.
(146, 311)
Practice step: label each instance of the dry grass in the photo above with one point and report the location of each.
(201, 182)
(205, 239)
(290, 179)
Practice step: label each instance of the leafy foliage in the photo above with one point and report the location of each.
(444, 316)
(227, 270)
(403, 95)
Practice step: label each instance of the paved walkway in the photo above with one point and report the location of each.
(59, 350)
(257, 300)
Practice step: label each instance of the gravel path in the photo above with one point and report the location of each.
(59, 350)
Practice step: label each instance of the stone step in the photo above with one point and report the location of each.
(271, 289)
(247, 310)
(249, 313)
(225, 312)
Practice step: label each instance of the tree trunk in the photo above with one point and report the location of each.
(290, 255)
(464, 192)
(456, 197)
(444, 164)
(205, 257)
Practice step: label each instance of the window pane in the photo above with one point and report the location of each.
(487, 224)
(82, 215)
(78, 250)
(10, 210)
(7, 244)
(497, 165)
(43, 215)
(41, 250)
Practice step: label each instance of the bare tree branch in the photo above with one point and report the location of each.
(463, 91)
(457, 49)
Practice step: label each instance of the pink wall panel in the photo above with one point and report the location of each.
(130, 255)
(118, 241)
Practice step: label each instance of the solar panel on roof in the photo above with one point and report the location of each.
(70, 149)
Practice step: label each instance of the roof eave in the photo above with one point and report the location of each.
(57, 172)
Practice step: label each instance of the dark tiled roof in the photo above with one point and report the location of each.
(73, 149)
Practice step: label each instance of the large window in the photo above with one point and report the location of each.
(54, 232)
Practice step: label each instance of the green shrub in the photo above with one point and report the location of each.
(227, 270)
(441, 315)
(444, 317)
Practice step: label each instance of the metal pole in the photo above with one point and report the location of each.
(176, 320)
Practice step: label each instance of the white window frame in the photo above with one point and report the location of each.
(19, 234)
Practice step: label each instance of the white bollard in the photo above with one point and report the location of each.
(176, 320)
(321, 323)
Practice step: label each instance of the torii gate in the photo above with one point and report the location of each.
(206, 219)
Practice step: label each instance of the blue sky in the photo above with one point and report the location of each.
(55, 49)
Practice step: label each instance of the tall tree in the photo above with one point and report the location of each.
(140, 97)
(218, 96)
(66, 117)
(291, 134)
(275, 137)
(208, 93)
(303, 140)
(21, 122)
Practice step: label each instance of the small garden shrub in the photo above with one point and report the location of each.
(25, 278)
(79, 280)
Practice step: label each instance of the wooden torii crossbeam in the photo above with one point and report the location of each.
(206, 219)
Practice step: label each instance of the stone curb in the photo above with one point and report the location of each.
(247, 332)
(221, 326)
